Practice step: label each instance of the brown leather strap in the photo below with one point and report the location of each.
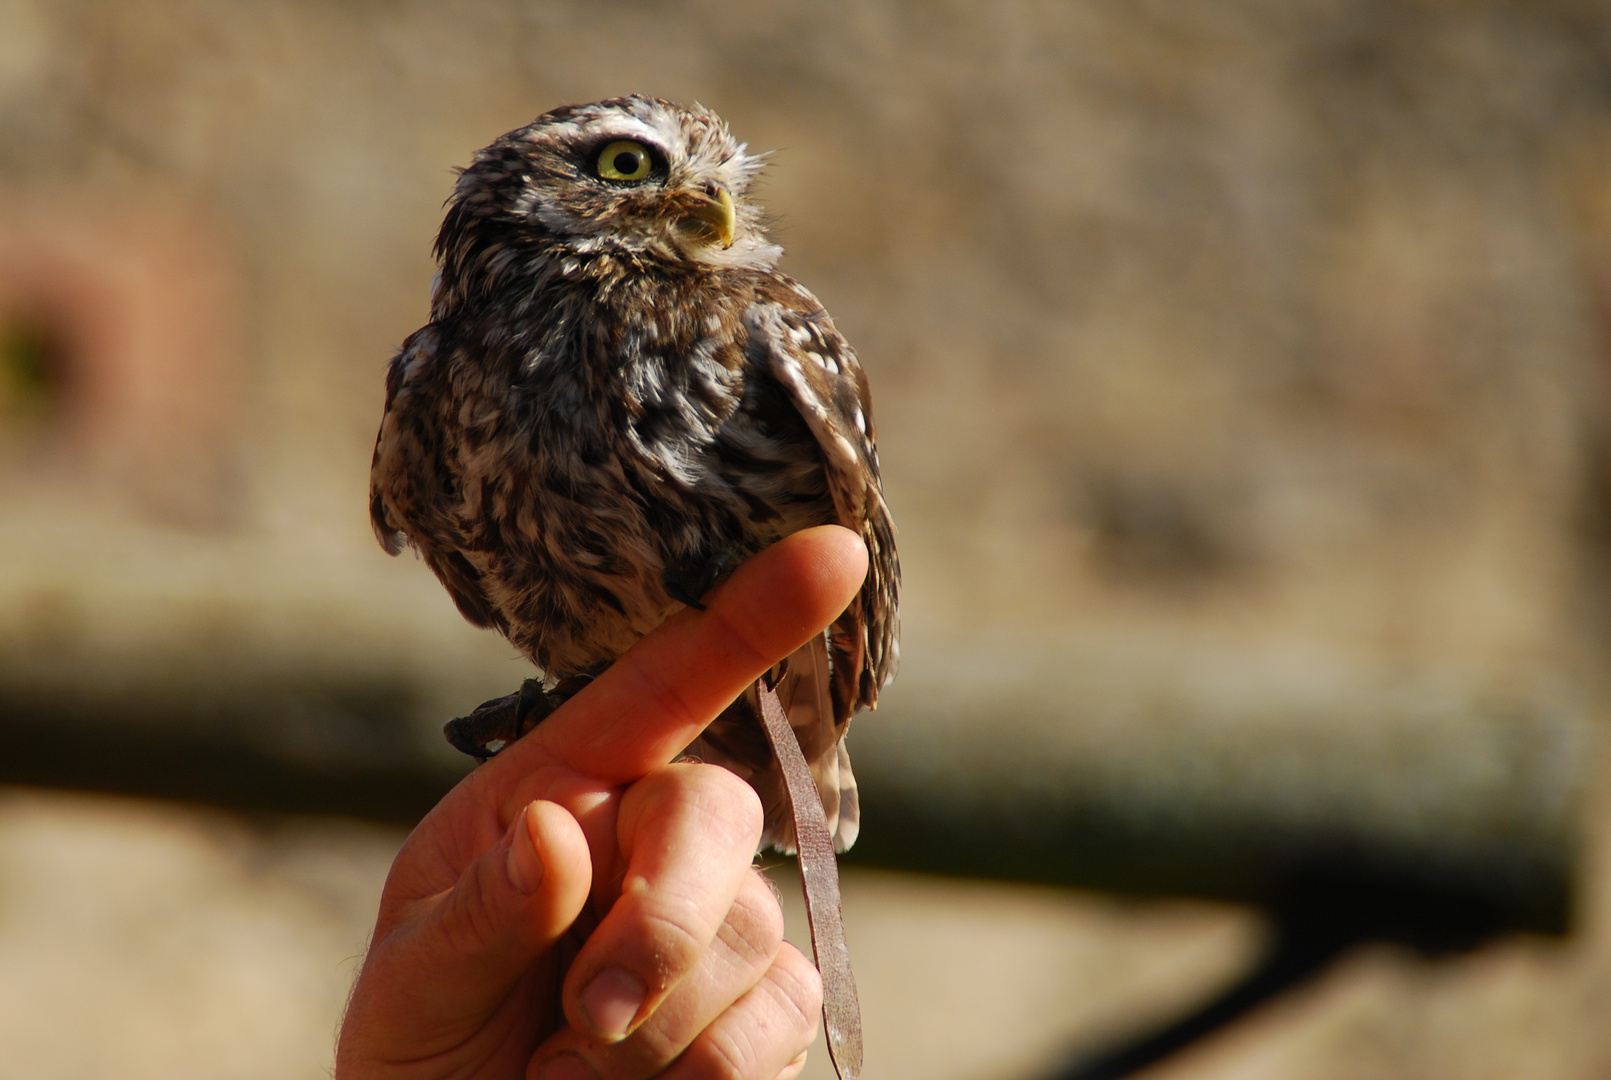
(819, 874)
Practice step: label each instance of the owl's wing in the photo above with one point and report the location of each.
(793, 337)
(404, 477)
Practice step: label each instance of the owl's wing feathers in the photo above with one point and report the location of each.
(831, 677)
(817, 367)
(790, 343)
(387, 464)
(407, 462)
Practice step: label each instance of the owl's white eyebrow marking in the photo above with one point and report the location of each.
(610, 126)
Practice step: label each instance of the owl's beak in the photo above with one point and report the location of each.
(716, 210)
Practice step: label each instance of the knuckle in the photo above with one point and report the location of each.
(773, 1023)
(743, 633)
(708, 798)
(470, 921)
(668, 943)
(753, 930)
(648, 1050)
(724, 1054)
(725, 802)
(799, 990)
(723, 782)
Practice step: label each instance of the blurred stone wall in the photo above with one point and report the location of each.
(1254, 345)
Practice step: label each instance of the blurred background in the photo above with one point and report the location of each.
(1242, 381)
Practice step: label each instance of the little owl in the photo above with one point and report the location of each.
(616, 400)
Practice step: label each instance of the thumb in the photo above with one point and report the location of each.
(507, 908)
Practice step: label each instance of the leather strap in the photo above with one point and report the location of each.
(819, 875)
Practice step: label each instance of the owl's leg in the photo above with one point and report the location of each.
(497, 723)
(494, 724)
(687, 585)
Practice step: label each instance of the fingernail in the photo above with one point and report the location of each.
(612, 1001)
(567, 1067)
(524, 868)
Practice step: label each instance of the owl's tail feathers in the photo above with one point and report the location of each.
(735, 739)
(848, 827)
(803, 683)
(836, 785)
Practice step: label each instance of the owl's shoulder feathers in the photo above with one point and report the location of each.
(791, 334)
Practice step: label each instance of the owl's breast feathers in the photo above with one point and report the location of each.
(553, 442)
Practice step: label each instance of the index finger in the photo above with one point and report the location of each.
(654, 700)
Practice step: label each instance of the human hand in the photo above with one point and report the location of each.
(579, 906)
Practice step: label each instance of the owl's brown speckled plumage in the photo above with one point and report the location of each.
(617, 390)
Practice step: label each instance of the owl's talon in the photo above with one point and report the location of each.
(531, 706)
(489, 723)
(679, 592)
(493, 725)
(688, 587)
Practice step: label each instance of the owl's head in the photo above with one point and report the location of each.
(631, 174)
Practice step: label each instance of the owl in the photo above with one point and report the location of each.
(617, 399)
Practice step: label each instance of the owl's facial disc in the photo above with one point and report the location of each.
(708, 215)
(635, 175)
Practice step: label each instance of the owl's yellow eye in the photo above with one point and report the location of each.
(625, 160)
